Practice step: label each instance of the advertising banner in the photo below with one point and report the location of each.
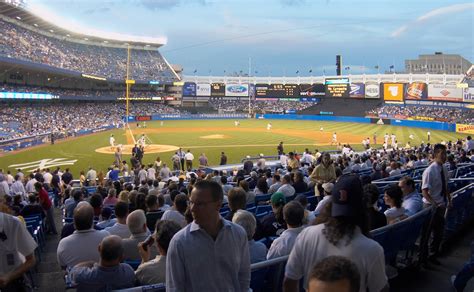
(463, 128)
(468, 94)
(393, 92)
(372, 90)
(416, 91)
(189, 89)
(445, 92)
(357, 90)
(309, 90)
(203, 89)
(234, 89)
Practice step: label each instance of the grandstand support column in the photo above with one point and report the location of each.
(127, 86)
(248, 90)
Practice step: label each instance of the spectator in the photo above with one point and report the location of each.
(17, 253)
(412, 202)
(154, 271)
(300, 185)
(375, 219)
(393, 199)
(210, 235)
(109, 273)
(106, 218)
(327, 189)
(257, 250)
(249, 195)
(111, 198)
(262, 186)
(33, 208)
(71, 249)
(73, 201)
(325, 172)
(334, 273)
(136, 222)
(286, 188)
(344, 233)
(274, 224)
(276, 184)
(309, 216)
(154, 211)
(176, 213)
(120, 228)
(293, 214)
(47, 206)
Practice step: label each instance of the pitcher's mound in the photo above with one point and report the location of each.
(215, 136)
(127, 149)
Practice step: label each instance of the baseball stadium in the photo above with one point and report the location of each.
(110, 155)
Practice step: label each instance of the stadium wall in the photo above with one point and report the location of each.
(396, 122)
(186, 117)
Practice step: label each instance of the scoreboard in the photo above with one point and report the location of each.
(277, 90)
(337, 87)
(218, 89)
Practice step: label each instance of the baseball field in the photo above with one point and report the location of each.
(211, 137)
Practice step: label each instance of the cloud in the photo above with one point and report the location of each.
(432, 14)
(100, 10)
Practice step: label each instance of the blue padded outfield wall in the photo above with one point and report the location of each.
(405, 123)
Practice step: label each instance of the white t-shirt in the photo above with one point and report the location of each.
(17, 245)
(189, 156)
(431, 180)
(394, 213)
(282, 245)
(311, 247)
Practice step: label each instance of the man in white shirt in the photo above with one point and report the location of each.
(81, 246)
(208, 239)
(120, 228)
(276, 184)
(189, 157)
(30, 185)
(435, 194)
(91, 176)
(341, 235)
(17, 252)
(293, 214)
(286, 188)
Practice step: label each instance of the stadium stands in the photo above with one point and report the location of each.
(258, 106)
(451, 115)
(103, 61)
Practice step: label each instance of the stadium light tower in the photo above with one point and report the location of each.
(128, 83)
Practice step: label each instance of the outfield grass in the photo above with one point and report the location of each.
(250, 138)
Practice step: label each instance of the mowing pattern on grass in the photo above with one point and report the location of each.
(250, 138)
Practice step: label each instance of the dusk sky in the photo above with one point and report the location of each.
(280, 36)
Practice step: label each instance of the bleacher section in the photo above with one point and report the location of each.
(341, 107)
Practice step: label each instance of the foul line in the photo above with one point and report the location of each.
(131, 133)
(255, 145)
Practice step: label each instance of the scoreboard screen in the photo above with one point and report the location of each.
(337, 87)
(217, 89)
(277, 90)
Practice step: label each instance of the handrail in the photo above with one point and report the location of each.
(453, 194)
(268, 263)
(404, 221)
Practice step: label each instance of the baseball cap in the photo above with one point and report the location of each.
(278, 198)
(328, 187)
(347, 196)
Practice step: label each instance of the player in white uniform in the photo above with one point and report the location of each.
(394, 140)
(334, 139)
(321, 129)
(385, 138)
(142, 141)
(112, 142)
(269, 126)
(161, 123)
(411, 137)
(236, 123)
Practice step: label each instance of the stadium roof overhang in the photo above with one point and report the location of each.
(31, 21)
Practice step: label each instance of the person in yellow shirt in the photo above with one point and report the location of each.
(324, 172)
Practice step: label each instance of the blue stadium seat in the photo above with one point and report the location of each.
(150, 288)
(262, 199)
(133, 263)
(263, 209)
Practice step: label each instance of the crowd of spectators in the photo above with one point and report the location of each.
(18, 120)
(62, 92)
(259, 106)
(20, 43)
(162, 217)
(452, 115)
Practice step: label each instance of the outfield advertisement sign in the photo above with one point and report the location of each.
(189, 89)
(203, 89)
(445, 92)
(310, 90)
(234, 89)
(393, 92)
(372, 90)
(416, 91)
(357, 90)
(468, 95)
(466, 129)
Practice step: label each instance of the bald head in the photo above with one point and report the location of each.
(136, 222)
(111, 249)
(83, 216)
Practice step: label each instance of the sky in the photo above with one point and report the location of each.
(279, 37)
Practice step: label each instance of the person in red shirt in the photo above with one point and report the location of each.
(47, 206)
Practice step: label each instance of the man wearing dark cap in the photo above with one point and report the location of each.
(343, 234)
